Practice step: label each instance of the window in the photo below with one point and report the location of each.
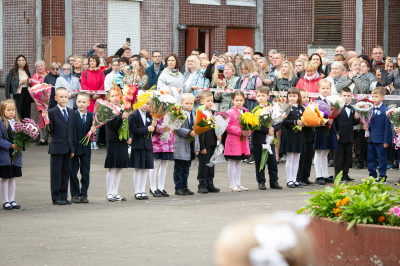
(327, 21)
(206, 2)
(241, 3)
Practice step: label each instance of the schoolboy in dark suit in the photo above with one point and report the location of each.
(258, 138)
(344, 123)
(380, 135)
(208, 142)
(62, 147)
(81, 160)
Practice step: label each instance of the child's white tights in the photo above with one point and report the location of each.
(8, 189)
(321, 163)
(112, 180)
(234, 172)
(292, 166)
(139, 179)
(161, 174)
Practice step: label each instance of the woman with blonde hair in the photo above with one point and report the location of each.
(309, 81)
(213, 71)
(357, 82)
(337, 71)
(237, 58)
(286, 78)
(78, 67)
(229, 82)
(258, 69)
(249, 80)
(195, 78)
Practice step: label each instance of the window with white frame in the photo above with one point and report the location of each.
(241, 3)
(206, 2)
(121, 29)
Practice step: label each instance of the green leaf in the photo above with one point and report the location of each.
(337, 180)
(351, 224)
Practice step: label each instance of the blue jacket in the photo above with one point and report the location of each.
(379, 127)
(153, 77)
(81, 131)
(4, 149)
(63, 135)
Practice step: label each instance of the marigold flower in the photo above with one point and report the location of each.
(381, 219)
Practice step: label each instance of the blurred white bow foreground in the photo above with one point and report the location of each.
(274, 237)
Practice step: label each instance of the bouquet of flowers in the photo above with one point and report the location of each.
(336, 105)
(23, 133)
(266, 151)
(128, 97)
(312, 116)
(173, 120)
(203, 122)
(365, 110)
(263, 114)
(103, 112)
(248, 122)
(364, 98)
(393, 115)
(160, 105)
(40, 93)
(279, 112)
(222, 120)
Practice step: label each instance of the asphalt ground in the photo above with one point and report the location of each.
(159, 231)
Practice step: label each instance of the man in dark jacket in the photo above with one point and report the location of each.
(154, 71)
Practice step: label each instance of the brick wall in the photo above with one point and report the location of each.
(220, 17)
(89, 25)
(348, 24)
(394, 29)
(156, 22)
(19, 34)
(370, 26)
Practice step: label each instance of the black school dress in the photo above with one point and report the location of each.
(10, 171)
(117, 150)
(291, 141)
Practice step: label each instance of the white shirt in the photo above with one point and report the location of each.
(348, 110)
(188, 115)
(322, 97)
(81, 115)
(61, 109)
(11, 122)
(379, 106)
(143, 115)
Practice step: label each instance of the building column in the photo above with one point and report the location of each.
(68, 29)
(175, 30)
(38, 29)
(386, 27)
(259, 36)
(359, 25)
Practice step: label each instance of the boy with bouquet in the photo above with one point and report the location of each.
(258, 138)
(208, 142)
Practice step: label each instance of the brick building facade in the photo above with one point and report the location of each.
(215, 24)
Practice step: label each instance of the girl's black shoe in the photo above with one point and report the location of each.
(9, 207)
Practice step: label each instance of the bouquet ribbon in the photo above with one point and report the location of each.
(267, 149)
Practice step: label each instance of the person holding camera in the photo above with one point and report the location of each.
(97, 50)
(390, 76)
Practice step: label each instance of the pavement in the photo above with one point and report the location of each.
(159, 231)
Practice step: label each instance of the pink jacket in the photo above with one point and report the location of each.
(94, 81)
(162, 145)
(233, 145)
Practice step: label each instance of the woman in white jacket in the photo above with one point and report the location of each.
(337, 71)
(68, 81)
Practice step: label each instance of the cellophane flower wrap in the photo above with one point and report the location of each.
(161, 103)
(222, 120)
(203, 122)
(393, 114)
(174, 119)
(279, 112)
(248, 122)
(267, 149)
(23, 133)
(364, 111)
(312, 116)
(102, 113)
(40, 93)
(128, 98)
(264, 114)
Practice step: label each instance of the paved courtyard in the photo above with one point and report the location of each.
(159, 231)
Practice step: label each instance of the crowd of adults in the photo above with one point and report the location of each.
(96, 72)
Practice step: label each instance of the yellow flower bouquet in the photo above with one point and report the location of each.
(248, 122)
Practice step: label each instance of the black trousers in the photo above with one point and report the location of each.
(361, 146)
(305, 162)
(205, 174)
(342, 159)
(59, 175)
(82, 163)
(271, 164)
(23, 102)
(181, 173)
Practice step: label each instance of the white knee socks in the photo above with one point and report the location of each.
(161, 174)
(321, 163)
(112, 180)
(4, 189)
(8, 189)
(234, 172)
(11, 189)
(292, 166)
(139, 179)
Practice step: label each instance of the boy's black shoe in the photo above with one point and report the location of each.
(275, 185)
(181, 192)
(395, 165)
(308, 182)
(329, 179)
(202, 190)
(380, 179)
(297, 184)
(42, 143)
(188, 191)
(213, 189)
(346, 178)
(331, 163)
(359, 166)
(250, 159)
(156, 193)
(320, 181)
(163, 193)
(262, 186)
(59, 202)
(68, 202)
(84, 199)
(300, 181)
(75, 200)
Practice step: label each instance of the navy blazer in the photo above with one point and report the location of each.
(112, 128)
(140, 131)
(292, 118)
(380, 128)
(81, 131)
(63, 134)
(322, 128)
(344, 125)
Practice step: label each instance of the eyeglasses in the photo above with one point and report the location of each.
(56, 69)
